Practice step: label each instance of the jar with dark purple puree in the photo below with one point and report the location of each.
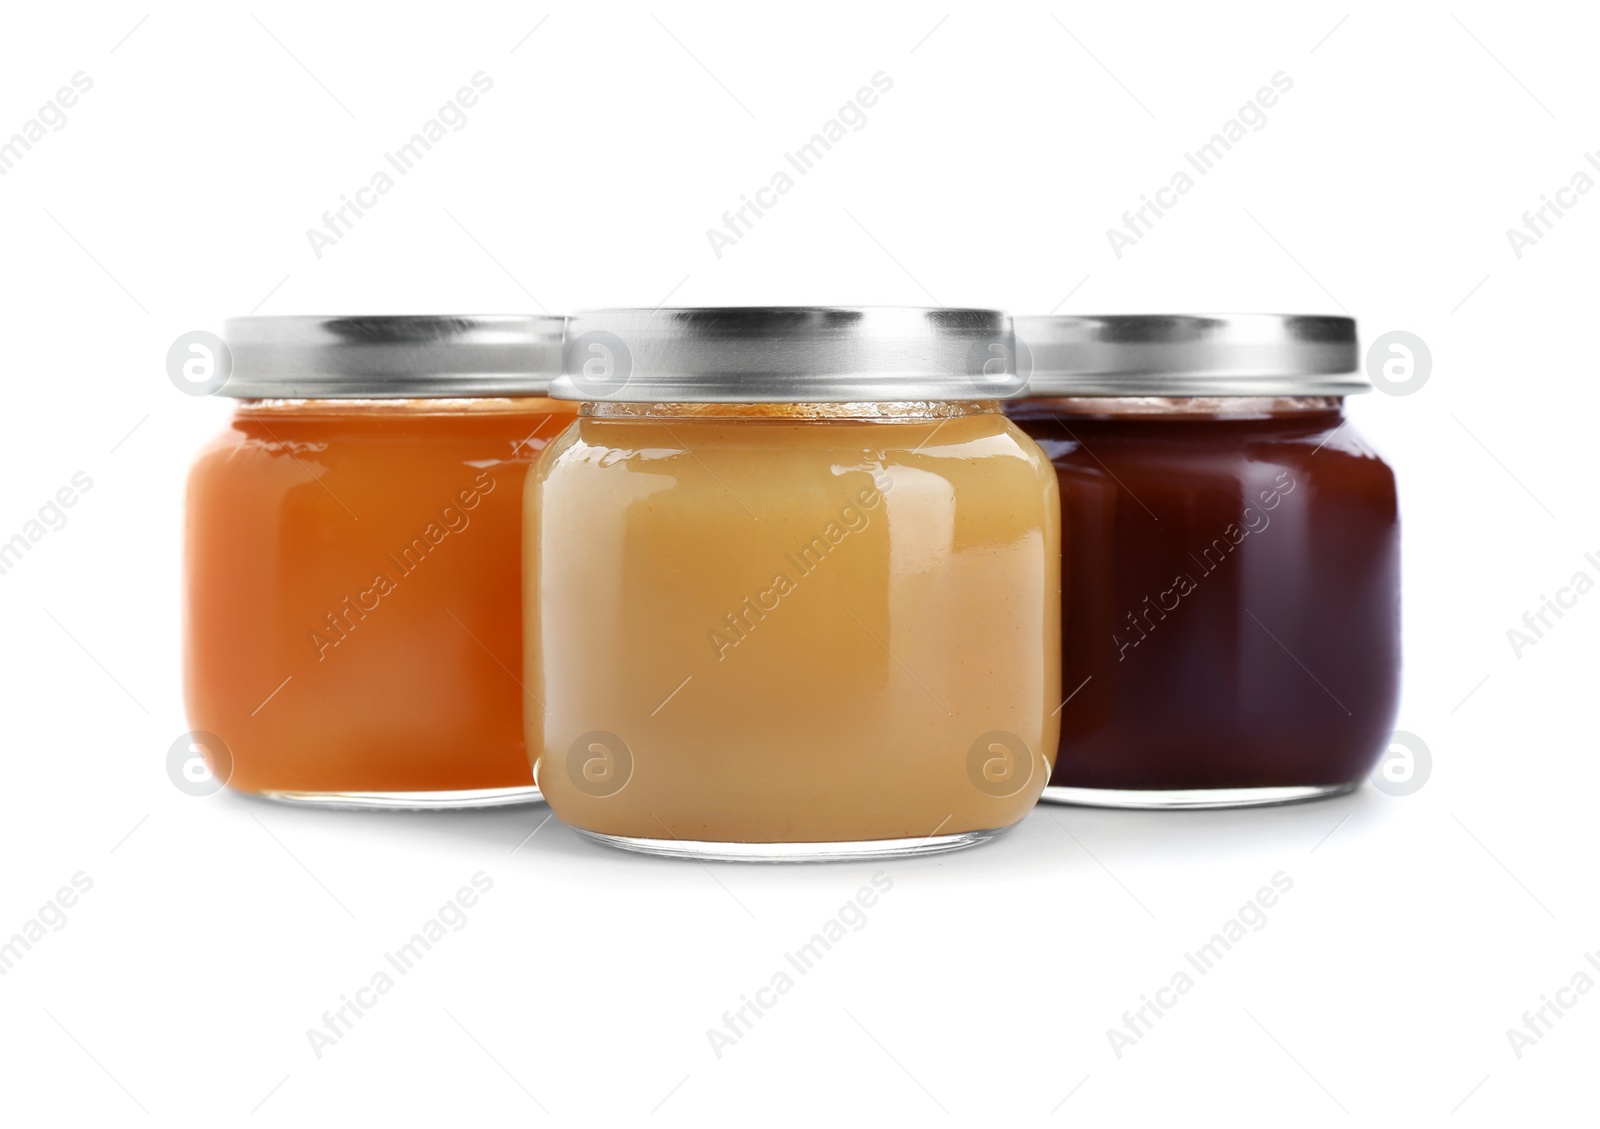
(1231, 568)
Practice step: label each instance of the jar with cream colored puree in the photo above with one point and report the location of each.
(352, 599)
(792, 585)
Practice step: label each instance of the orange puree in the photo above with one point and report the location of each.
(353, 606)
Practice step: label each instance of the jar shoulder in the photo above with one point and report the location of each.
(603, 443)
(1320, 444)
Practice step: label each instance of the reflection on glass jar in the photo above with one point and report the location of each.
(1231, 629)
(353, 599)
(792, 587)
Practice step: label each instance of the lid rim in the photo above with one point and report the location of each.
(787, 354)
(413, 356)
(1179, 355)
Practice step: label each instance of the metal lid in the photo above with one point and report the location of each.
(1176, 355)
(787, 354)
(411, 357)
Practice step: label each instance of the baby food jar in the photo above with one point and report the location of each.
(1233, 574)
(353, 624)
(793, 585)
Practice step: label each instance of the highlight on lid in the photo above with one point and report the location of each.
(769, 354)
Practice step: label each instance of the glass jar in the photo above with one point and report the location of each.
(353, 625)
(1232, 619)
(793, 585)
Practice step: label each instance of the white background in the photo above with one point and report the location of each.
(218, 930)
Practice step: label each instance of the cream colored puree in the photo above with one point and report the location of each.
(798, 628)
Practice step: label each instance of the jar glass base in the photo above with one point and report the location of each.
(410, 801)
(1191, 798)
(796, 852)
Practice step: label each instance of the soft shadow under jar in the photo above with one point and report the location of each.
(1231, 624)
(792, 586)
(353, 625)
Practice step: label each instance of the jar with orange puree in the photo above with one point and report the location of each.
(792, 585)
(352, 624)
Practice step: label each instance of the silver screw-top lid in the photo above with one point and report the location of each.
(1177, 355)
(787, 354)
(409, 357)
